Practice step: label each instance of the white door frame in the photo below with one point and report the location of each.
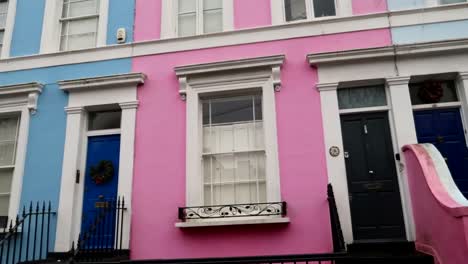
(114, 90)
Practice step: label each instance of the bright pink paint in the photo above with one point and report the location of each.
(147, 20)
(361, 7)
(439, 231)
(249, 14)
(159, 179)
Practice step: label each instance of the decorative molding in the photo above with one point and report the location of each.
(270, 61)
(427, 48)
(30, 91)
(273, 62)
(128, 79)
(327, 86)
(74, 110)
(129, 105)
(399, 80)
(326, 26)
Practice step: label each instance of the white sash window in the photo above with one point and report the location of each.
(196, 17)
(3, 17)
(79, 24)
(8, 138)
(233, 150)
(304, 9)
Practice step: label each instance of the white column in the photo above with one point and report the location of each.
(463, 91)
(65, 216)
(404, 131)
(127, 140)
(336, 166)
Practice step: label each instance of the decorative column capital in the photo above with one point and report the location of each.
(73, 110)
(327, 87)
(398, 80)
(129, 105)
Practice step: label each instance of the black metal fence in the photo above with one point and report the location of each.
(337, 232)
(27, 238)
(103, 239)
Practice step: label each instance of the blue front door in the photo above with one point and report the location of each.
(444, 129)
(100, 191)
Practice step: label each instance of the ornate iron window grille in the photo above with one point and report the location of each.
(233, 210)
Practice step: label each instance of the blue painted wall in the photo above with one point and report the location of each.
(121, 14)
(43, 166)
(430, 32)
(27, 32)
(405, 4)
(26, 39)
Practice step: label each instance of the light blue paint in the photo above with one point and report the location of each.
(26, 39)
(405, 4)
(430, 32)
(121, 15)
(43, 166)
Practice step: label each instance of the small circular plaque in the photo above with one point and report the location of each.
(334, 151)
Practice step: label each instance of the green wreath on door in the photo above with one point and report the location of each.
(102, 172)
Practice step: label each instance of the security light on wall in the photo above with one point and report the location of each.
(121, 35)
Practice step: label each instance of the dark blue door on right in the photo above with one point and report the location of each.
(444, 129)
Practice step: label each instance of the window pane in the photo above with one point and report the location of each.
(324, 8)
(295, 9)
(233, 137)
(187, 25)
(75, 8)
(443, 2)
(213, 21)
(4, 204)
(234, 178)
(212, 4)
(361, 97)
(187, 6)
(232, 109)
(79, 34)
(5, 180)
(1, 36)
(431, 92)
(3, 13)
(104, 120)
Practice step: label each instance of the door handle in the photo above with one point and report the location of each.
(371, 172)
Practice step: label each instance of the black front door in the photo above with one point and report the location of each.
(376, 210)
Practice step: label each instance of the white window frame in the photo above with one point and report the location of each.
(52, 25)
(278, 11)
(221, 82)
(19, 100)
(169, 18)
(8, 30)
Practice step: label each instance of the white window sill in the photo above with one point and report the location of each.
(233, 221)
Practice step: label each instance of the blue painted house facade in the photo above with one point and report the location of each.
(62, 65)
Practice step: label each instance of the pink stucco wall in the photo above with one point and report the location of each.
(159, 175)
(441, 223)
(249, 14)
(369, 6)
(147, 19)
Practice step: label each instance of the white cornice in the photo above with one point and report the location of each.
(129, 105)
(385, 52)
(327, 86)
(270, 61)
(30, 92)
(273, 63)
(129, 79)
(311, 28)
(74, 110)
(399, 80)
(23, 88)
(463, 76)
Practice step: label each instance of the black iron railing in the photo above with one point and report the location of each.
(27, 238)
(337, 233)
(103, 239)
(233, 210)
(330, 258)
